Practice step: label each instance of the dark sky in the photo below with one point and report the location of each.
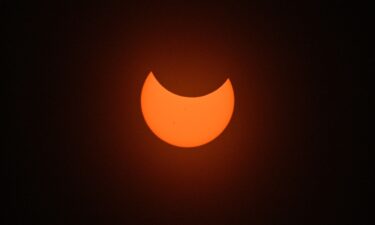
(77, 150)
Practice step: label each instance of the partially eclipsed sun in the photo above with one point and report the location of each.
(186, 121)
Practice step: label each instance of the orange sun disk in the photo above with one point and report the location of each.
(186, 121)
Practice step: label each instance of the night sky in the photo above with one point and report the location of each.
(77, 150)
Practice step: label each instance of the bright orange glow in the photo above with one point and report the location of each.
(186, 121)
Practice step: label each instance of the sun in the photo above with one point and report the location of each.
(186, 121)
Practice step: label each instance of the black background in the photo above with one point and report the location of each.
(78, 152)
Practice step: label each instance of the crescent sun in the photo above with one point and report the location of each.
(186, 121)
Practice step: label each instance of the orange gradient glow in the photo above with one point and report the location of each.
(186, 121)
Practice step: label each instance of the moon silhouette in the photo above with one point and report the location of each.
(186, 121)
